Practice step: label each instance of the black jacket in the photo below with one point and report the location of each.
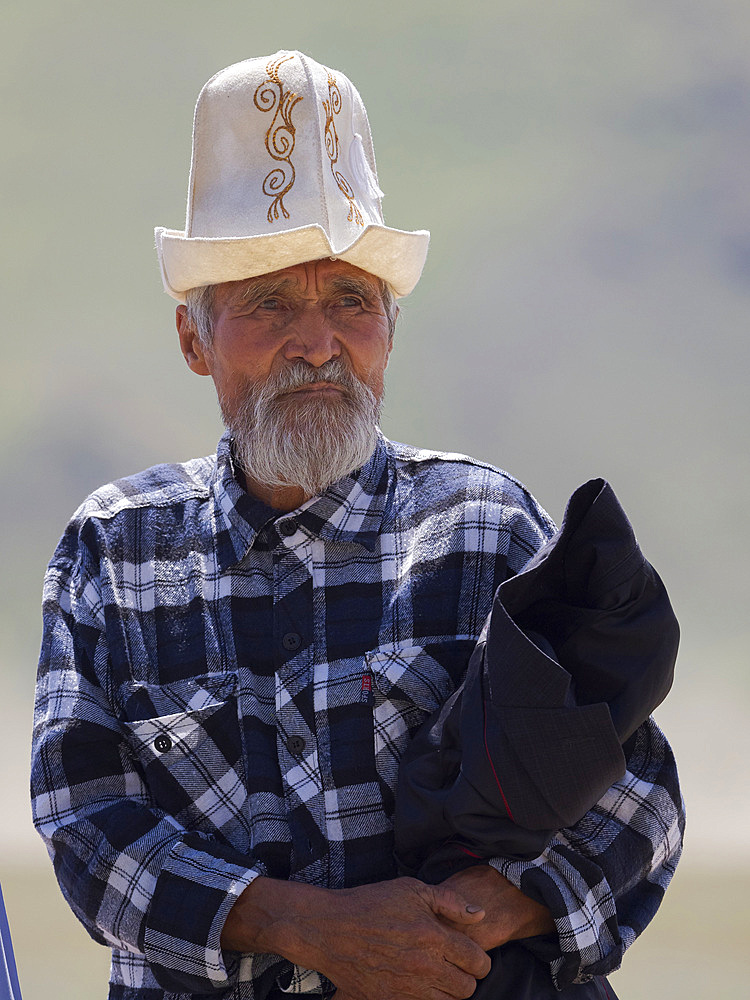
(578, 650)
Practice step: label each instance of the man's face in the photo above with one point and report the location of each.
(311, 312)
(298, 360)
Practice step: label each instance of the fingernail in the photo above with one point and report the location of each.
(471, 908)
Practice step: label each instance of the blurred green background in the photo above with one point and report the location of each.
(584, 310)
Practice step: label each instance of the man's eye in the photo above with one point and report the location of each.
(270, 303)
(349, 301)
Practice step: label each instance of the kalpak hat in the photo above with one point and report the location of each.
(283, 171)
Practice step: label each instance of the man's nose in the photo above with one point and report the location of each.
(313, 338)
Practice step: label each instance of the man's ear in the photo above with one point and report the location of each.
(393, 333)
(190, 345)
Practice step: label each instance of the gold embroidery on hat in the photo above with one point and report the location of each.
(332, 107)
(280, 136)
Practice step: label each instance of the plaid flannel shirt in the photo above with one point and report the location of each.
(226, 692)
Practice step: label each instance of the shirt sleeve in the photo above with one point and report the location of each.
(135, 878)
(604, 878)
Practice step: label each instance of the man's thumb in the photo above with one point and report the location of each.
(449, 904)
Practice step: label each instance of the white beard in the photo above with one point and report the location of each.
(283, 439)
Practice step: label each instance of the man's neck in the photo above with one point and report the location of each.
(282, 498)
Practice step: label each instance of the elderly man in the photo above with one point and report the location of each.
(237, 650)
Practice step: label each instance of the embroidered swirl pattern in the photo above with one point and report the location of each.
(272, 95)
(332, 107)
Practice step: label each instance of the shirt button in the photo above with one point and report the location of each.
(162, 743)
(292, 641)
(295, 745)
(287, 527)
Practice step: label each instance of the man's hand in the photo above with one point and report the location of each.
(397, 940)
(509, 915)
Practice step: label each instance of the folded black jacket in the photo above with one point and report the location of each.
(578, 650)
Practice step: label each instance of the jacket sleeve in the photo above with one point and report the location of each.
(136, 879)
(604, 878)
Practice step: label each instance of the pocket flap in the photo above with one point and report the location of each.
(409, 672)
(149, 701)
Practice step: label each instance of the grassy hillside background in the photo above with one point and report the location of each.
(584, 311)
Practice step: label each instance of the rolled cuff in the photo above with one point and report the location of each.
(199, 884)
(587, 941)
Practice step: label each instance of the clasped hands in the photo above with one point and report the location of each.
(395, 940)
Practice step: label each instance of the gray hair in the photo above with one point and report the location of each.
(200, 306)
(199, 303)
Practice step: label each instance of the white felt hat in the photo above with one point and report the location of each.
(283, 171)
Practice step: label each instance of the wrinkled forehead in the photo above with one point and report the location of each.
(308, 280)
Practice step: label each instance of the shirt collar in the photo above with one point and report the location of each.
(351, 510)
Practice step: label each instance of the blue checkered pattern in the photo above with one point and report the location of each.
(226, 692)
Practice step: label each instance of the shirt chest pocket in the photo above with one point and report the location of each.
(187, 738)
(408, 685)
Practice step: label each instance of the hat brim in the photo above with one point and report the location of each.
(186, 262)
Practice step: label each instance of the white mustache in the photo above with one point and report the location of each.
(300, 373)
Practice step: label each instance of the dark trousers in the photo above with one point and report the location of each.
(517, 975)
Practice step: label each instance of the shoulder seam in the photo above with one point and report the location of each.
(99, 506)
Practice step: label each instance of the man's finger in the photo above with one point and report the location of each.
(457, 984)
(467, 956)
